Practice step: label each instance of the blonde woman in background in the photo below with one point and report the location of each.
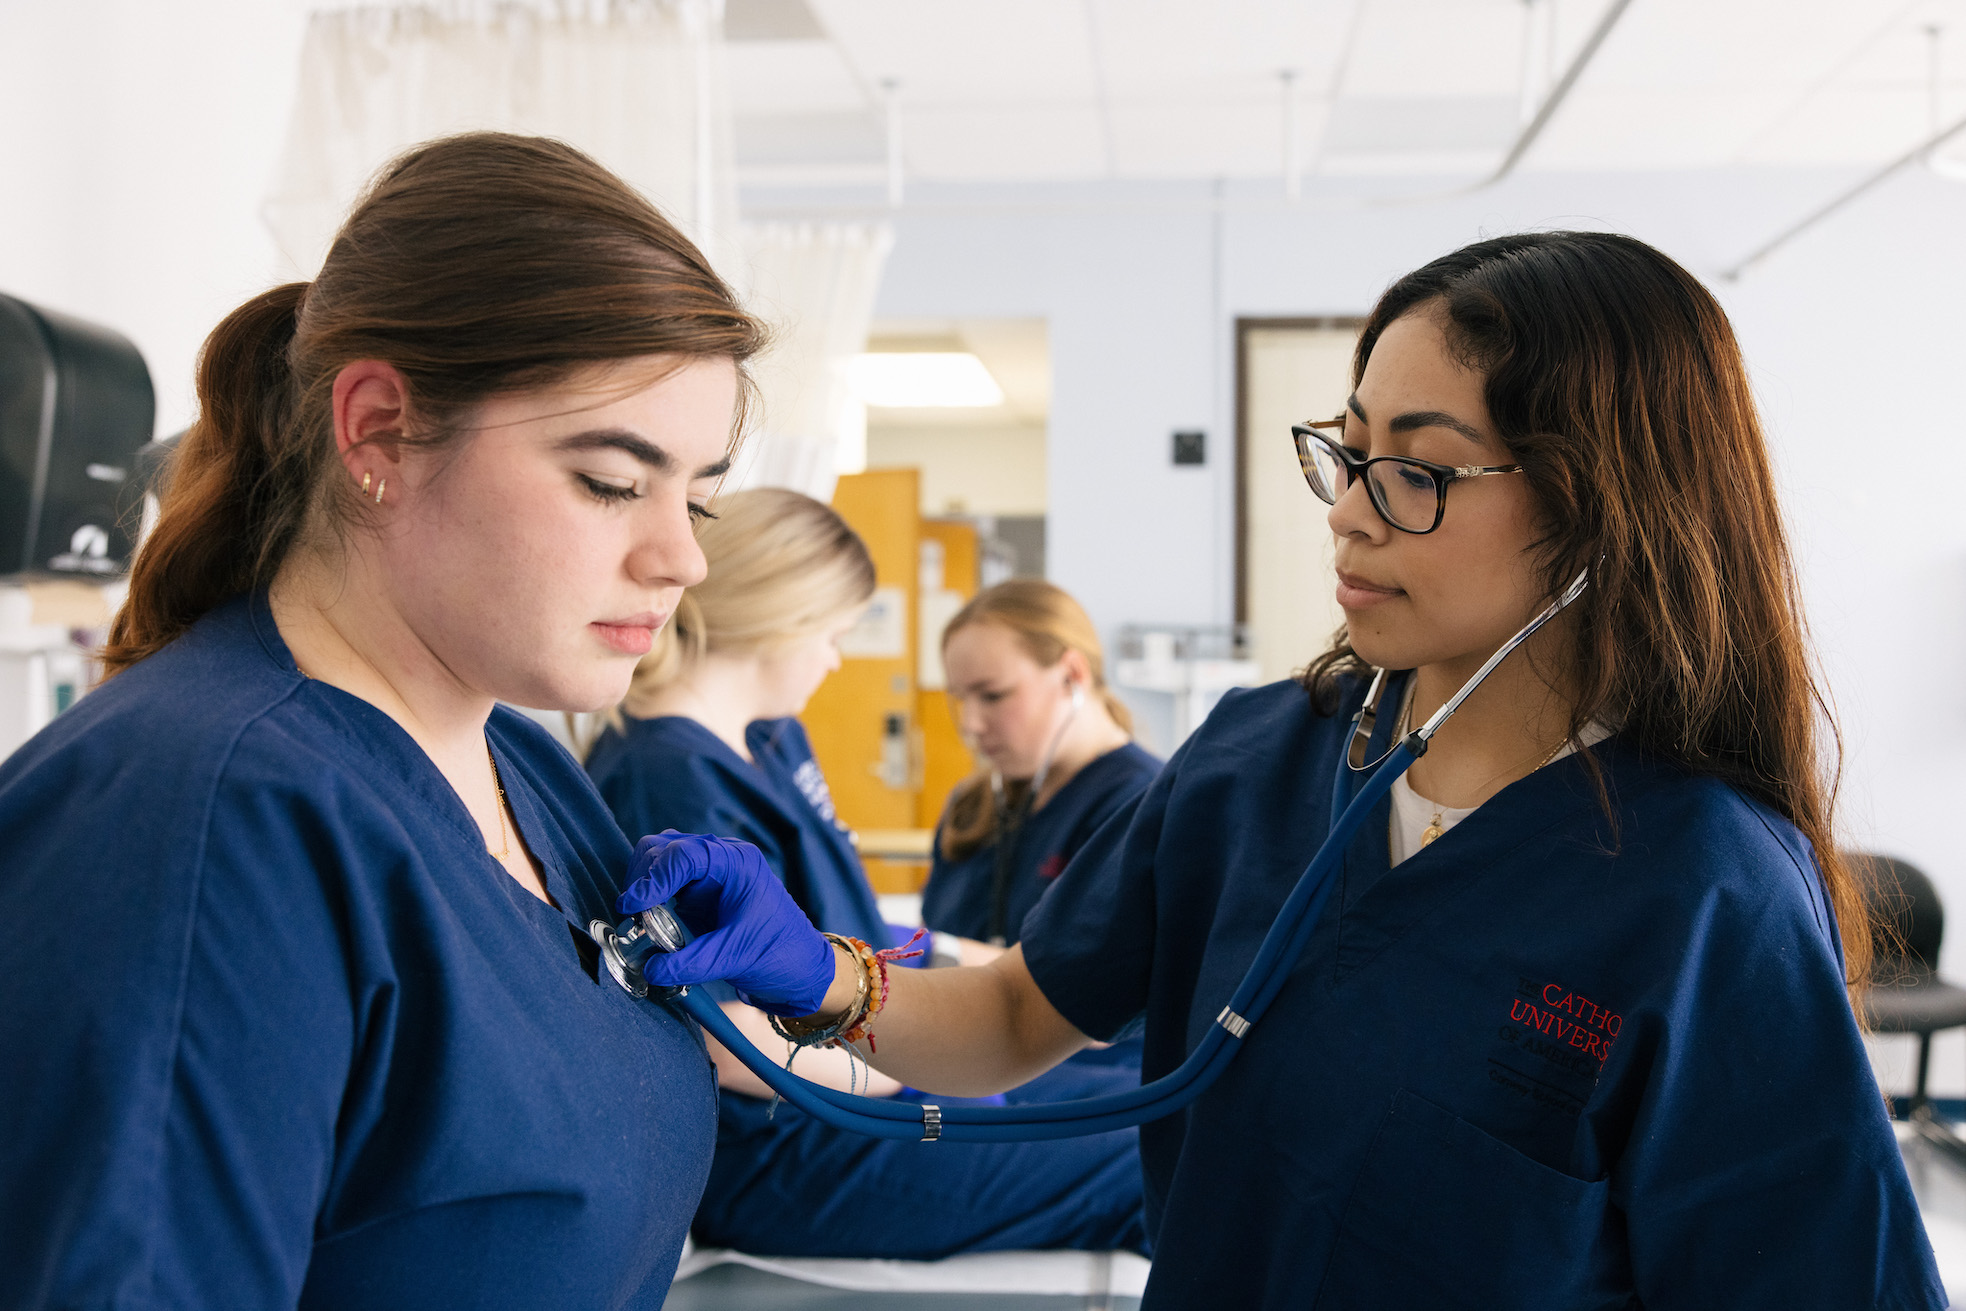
(1027, 676)
(707, 742)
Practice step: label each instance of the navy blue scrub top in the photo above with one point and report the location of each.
(957, 898)
(279, 1032)
(1545, 1062)
(672, 772)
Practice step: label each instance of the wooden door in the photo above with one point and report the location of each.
(1287, 371)
(951, 569)
(862, 719)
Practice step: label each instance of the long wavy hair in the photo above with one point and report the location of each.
(1615, 380)
(475, 264)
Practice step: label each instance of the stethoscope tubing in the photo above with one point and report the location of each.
(1282, 946)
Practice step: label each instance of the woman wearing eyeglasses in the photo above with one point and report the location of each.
(1575, 1028)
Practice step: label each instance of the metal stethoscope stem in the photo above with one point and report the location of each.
(627, 945)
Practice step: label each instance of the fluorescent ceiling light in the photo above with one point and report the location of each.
(925, 380)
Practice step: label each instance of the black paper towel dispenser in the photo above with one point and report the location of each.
(75, 407)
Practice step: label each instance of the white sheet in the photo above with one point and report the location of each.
(1072, 1274)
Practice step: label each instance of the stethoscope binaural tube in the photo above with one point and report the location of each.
(1010, 825)
(1368, 714)
(1281, 948)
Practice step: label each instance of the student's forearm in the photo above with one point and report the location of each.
(824, 1066)
(965, 1032)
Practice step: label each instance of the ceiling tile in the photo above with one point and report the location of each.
(1212, 138)
(770, 20)
(789, 77)
(1228, 47)
(1845, 125)
(1013, 141)
(961, 52)
(1179, 88)
(1661, 45)
(1625, 128)
(1395, 124)
(1415, 48)
(838, 137)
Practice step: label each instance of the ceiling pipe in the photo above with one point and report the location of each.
(1558, 94)
(1534, 128)
(1934, 77)
(1293, 169)
(1538, 57)
(891, 92)
(1952, 170)
(1915, 155)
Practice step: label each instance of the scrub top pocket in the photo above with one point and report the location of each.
(1444, 1215)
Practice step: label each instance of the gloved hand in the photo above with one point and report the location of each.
(748, 929)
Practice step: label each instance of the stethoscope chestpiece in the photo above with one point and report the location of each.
(625, 946)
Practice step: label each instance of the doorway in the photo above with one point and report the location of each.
(1287, 371)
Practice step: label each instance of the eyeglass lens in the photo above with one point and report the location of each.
(1406, 494)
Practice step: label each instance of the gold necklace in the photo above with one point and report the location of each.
(504, 838)
(1435, 828)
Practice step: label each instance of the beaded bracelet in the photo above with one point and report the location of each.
(864, 1029)
(799, 1034)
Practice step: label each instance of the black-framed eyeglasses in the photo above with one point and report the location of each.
(1409, 494)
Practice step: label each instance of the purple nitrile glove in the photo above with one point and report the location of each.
(748, 929)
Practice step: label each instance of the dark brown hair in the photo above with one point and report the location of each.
(1615, 380)
(475, 264)
(1047, 623)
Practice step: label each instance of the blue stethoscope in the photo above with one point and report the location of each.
(626, 945)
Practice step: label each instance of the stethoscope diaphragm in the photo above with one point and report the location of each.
(626, 945)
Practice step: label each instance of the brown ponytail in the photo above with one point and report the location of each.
(235, 498)
(1047, 622)
(475, 265)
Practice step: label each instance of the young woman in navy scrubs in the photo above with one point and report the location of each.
(1027, 675)
(707, 743)
(300, 1009)
(1591, 1045)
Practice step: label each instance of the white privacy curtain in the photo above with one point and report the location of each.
(815, 285)
(638, 84)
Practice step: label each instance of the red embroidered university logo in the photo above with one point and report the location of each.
(1566, 1018)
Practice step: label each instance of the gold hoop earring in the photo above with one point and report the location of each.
(365, 483)
(378, 490)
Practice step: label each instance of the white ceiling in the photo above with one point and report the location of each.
(1085, 89)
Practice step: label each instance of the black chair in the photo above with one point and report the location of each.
(1907, 995)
